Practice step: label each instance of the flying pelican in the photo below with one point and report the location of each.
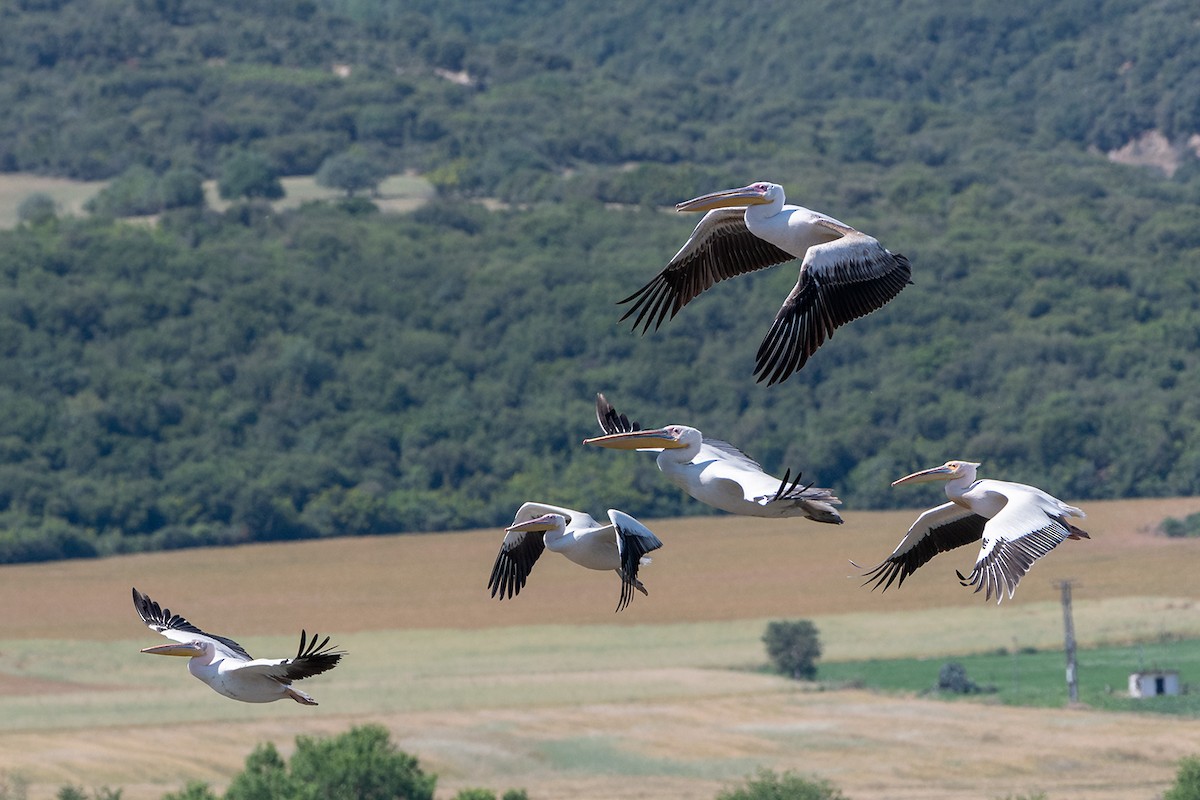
(715, 472)
(620, 546)
(844, 274)
(226, 667)
(1018, 524)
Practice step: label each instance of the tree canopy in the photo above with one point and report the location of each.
(262, 375)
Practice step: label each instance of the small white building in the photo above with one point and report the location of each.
(1153, 683)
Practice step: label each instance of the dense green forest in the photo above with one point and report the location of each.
(251, 375)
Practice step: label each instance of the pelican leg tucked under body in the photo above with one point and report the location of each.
(621, 546)
(715, 472)
(225, 665)
(844, 273)
(1017, 523)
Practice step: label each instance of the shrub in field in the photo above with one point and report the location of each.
(488, 794)
(1187, 781)
(952, 677)
(767, 785)
(37, 208)
(1178, 528)
(793, 647)
(195, 790)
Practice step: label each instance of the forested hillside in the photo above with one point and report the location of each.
(257, 375)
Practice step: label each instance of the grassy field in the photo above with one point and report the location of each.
(396, 194)
(1018, 677)
(553, 692)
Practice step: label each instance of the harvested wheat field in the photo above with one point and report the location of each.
(553, 692)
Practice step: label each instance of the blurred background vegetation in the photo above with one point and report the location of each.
(258, 374)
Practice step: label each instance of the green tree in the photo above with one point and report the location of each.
(1187, 781)
(249, 174)
(37, 208)
(767, 785)
(195, 790)
(351, 171)
(793, 647)
(361, 764)
(265, 777)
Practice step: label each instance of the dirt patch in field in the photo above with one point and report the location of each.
(25, 686)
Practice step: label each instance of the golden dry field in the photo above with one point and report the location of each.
(553, 692)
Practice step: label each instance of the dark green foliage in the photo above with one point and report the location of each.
(952, 677)
(251, 175)
(1187, 781)
(361, 764)
(139, 191)
(794, 647)
(262, 375)
(265, 777)
(78, 793)
(352, 171)
(37, 208)
(195, 790)
(768, 785)
(1177, 528)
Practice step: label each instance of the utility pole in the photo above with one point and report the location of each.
(1069, 642)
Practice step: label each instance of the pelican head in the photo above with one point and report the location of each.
(546, 522)
(672, 437)
(760, 193)
(185, 649)
(949, 471)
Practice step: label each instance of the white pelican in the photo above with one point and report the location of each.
(844, 274)
(620, 546)
(226, 667)
(1018, 524)
(715, 472)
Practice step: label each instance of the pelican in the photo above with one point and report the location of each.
(620, 546)
(715, 472)
(226, 667)
(844, 274)
(1018, 524)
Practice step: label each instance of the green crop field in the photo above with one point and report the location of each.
(1037, 678)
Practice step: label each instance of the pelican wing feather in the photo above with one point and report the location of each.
(634, 541)
(312, 658)
(938, 530)
(720, 247)
(176, 628)
(1021, 533)
(839, 281)
(519, 551)
(611, 421)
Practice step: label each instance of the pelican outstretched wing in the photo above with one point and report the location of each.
(839, 281)
(1019, 535)
(519, 551)
(634, 541)
(312, 658)
(937, 530)
(720, 247)
(176, 628)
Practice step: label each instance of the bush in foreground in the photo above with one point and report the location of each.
(767, 785)
(1187, 781)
